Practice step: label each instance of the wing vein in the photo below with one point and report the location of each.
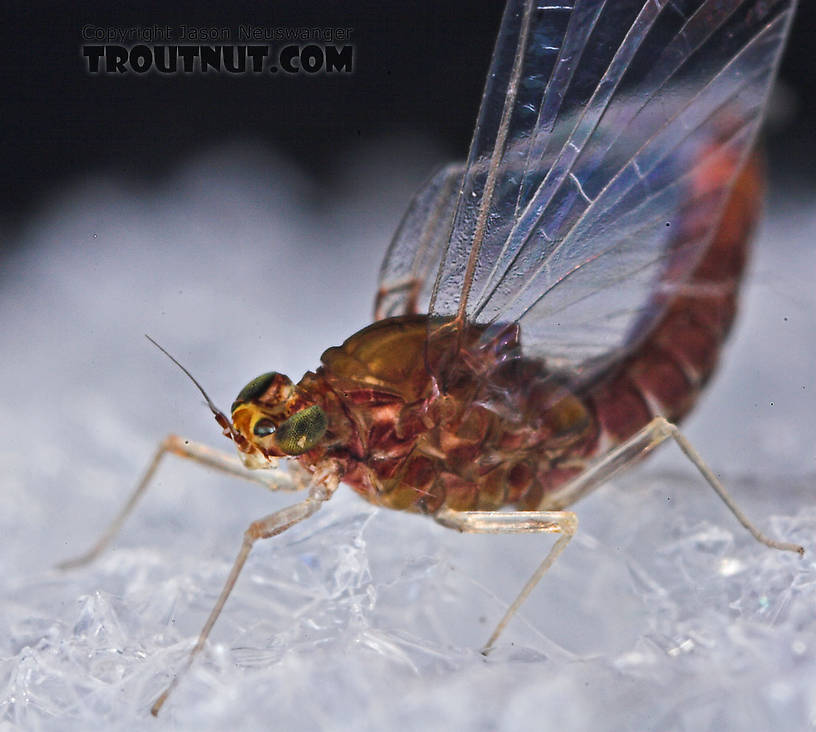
(495, 158)
(567, 238)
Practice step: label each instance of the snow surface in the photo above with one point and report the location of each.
(663, 614)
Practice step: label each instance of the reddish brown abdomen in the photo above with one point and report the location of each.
(666, 373)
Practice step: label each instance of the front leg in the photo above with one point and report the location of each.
(295, 478)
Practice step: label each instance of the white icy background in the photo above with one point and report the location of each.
(663, 614)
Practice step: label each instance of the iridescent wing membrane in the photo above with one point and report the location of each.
(571, 213)
(408, 270)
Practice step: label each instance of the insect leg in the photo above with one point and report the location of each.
(276, 523)
(636, 447)
(515, 522)
(294, 479)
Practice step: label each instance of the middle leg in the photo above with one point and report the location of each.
(276, 523)
(515, 522)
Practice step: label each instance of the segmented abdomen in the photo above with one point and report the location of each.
(666, 373)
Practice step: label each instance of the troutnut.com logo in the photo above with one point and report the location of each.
(192, 50)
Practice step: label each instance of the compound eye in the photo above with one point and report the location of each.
(302, 431)
(259, 386)
(263, 428)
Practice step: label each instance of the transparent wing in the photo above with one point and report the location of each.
(412, 259)
(582, 192)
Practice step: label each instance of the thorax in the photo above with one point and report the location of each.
(484, 435)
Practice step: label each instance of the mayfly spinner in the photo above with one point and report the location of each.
(548, 311)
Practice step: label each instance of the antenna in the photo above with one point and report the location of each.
(220, 417)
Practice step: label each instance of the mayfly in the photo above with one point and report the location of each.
(549, 310)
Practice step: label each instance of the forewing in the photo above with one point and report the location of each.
(408, 270)
(584, 190)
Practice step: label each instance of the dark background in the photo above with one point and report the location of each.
(419, 70)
